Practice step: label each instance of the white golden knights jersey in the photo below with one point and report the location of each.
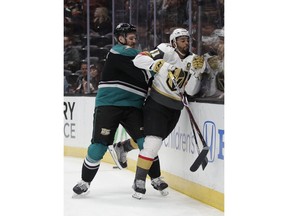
(163, 59)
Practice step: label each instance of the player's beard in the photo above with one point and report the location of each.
(183, 51)
(186, 49)
(132, 45)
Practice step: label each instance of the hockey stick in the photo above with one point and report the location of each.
(201, 159)
(114, 156)
(205, 161)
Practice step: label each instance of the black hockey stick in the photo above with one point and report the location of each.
(201, 159)
(205, 161)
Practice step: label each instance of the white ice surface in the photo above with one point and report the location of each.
(110, 195)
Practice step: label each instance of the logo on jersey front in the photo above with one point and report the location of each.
(181, 77)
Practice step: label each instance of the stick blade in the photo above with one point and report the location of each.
(200, 160)
(204, 163)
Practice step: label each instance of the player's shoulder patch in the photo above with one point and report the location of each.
(158, 65)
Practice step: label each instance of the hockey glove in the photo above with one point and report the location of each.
(198, 66)
(198, 62)
(213, 62)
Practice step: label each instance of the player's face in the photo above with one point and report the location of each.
(131, 39)
(183, 44)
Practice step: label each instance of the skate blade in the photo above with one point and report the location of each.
(164, 192)
(79, 196)
(137, 195)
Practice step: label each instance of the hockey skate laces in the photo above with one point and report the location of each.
(158, 180)
(83, 185)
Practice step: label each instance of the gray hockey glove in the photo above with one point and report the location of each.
(213, 62)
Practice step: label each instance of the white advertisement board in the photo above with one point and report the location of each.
(178, 150)
(78, 121)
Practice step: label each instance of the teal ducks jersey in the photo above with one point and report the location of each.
(122, 84)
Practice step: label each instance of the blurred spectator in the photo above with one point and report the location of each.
(122, 11)
(213, 39)
(71, 55)
(70, 83)
(173, 13)
(213, 45)
(67, 16)
(220, 11)
(97, 3)
(158, 38)
(66, 85)
(95, 73)
(82, 84)
(76, 22)
(67, 9)
(220, 49)
(72, 9)
(101, 24)
(83, 89)
(211, 85)
(220, 81)
(220, 75)
(82, 78)
(194, 10)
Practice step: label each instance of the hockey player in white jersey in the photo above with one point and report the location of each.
(163, 105)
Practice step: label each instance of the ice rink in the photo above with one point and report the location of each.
(110, 195)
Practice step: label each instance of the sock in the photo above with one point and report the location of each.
(143, 166)
(89, 169)
(154, 171)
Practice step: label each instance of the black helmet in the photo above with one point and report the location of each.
(124, 28)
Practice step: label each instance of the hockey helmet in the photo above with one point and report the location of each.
(178, 32)
(123, 29)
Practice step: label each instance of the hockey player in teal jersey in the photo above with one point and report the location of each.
(121, 93)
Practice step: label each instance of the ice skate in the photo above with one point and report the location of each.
(121, 154)
(139, 189)
(160, 185)
(81, 188)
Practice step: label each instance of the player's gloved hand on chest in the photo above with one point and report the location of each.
(198, 66)
(198, 62)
